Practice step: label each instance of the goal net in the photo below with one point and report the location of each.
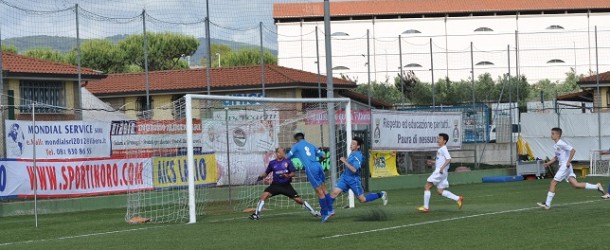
(599, 163)
(228, 142)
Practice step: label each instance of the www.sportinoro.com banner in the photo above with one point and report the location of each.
(57, 139)
(66, 178)
(414, 131)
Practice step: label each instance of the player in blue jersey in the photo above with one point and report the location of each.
(350, 179)
(283, 171)
(308, 154)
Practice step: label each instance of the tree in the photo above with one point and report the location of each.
(248, 56)
(222, 49)
(46, 54)
(9, 48)
(381, 91)
(101, 55)
(165, 50)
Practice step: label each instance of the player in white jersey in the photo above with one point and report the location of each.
(439, 177)
(564, 153)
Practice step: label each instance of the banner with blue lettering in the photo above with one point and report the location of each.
(414, 131)
(57, 139)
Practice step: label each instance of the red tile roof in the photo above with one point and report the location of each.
(603, 78)
(13, 64)
(410, 7)
(245, 77)
(377, 103)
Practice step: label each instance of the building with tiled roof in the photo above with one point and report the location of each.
(589, 86)
(128, 91)
(552, 36)
(53, 86)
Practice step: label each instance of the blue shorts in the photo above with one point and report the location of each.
(315, 175)
(352, 183)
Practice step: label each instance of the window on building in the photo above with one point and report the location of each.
(340, 68)
(142, 109)
(178, 107)
(339, 33)
(555, 61)
(484, 63)
(116, 103)
(483, 29)
(608, 98)
(50, 96)
(555, 27)
(411, 31)
(413, 65)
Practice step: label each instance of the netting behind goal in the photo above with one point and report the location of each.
(232, 140)
(599, 163)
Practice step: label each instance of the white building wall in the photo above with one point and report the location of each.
(451, 37)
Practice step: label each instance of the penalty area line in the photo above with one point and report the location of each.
(78, 236)
(449, 219)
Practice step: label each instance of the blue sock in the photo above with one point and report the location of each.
(608, 190)
(329, 202)
(372, 196)
(323, 206)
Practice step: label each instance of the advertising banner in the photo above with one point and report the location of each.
(319, 116)
(169, 172)
(73, 178)
(144, 138)
(57, 139)
(383, 164)
(414, 131)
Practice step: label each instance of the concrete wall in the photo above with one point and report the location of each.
(490, 153)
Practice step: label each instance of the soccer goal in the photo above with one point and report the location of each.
(599, 163)
(228, 142)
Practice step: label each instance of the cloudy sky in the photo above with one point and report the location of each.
(232, 19)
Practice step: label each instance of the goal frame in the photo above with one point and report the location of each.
(594, 157)
(331, 123)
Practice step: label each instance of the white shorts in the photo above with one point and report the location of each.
(439, 180)
(564, 173)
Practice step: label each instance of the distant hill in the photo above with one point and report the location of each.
(65, 44)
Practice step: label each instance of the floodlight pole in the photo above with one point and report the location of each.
(330, 94)
(145, 59)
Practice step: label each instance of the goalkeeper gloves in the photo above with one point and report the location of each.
(260, 178)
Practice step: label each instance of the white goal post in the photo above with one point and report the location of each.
(195, 103)
(599, 164)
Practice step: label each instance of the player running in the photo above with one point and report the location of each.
(350, 179)
(438, 178)
(308, 153)
(283, 171)
(564, 153)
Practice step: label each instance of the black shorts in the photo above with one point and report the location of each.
(285, 189)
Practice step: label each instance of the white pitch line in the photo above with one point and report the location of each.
(77, 236)
(448, 219)
(241, 218)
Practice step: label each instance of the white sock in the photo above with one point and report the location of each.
(259, 207)
(426, 199)
(590, 186)
(308, 207)
(450, 195)
(549, 198)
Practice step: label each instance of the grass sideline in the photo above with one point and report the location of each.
(494, 216)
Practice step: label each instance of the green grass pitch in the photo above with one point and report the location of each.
(494, 216)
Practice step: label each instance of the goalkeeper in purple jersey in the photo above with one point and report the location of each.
(283, 171)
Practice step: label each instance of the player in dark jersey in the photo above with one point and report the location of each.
(283, 171)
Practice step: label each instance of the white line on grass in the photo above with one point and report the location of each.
(449, 219)
(241, 218)
(78, 236)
